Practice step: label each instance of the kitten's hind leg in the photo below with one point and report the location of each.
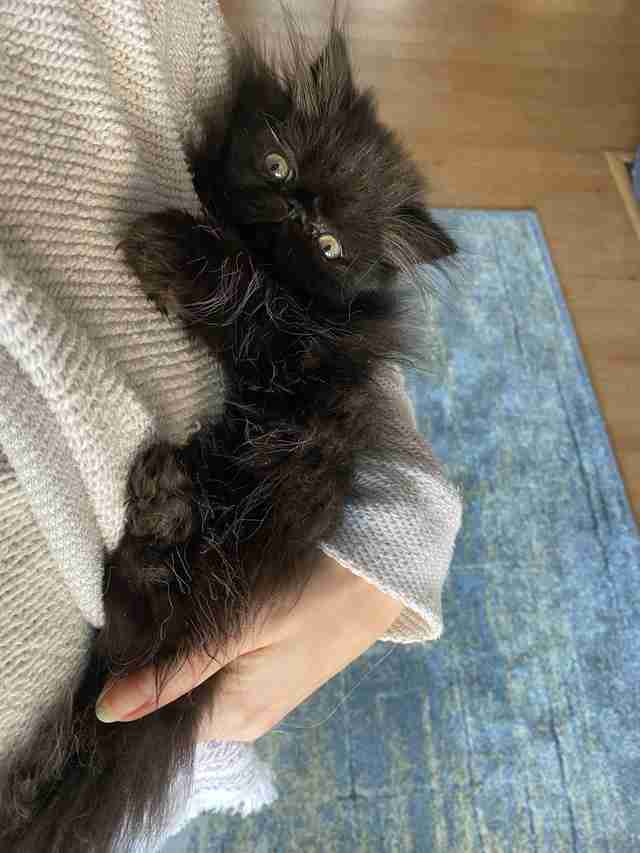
(178, 259)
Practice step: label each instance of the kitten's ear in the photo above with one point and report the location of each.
(332, 68)
(427, 240)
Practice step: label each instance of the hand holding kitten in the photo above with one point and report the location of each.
(278, 664)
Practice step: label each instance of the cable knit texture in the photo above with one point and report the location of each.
(97, 100)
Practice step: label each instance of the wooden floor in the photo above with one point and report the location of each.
(511, 105)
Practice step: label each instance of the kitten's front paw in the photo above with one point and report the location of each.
(160, 498)
(154, 250)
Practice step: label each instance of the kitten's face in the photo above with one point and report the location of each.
(321, 192)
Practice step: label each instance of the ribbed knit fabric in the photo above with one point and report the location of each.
(97, 99)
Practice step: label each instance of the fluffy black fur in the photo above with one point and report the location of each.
(218, 528)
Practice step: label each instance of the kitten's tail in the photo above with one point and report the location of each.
(82, 786)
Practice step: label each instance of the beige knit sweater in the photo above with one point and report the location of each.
(97, 98)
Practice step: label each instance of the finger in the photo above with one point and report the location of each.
(244, 697)
(250, 698)
(135, 696)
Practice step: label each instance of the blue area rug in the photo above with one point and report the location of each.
(518, 730)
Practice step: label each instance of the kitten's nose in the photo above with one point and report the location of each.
(297, 211)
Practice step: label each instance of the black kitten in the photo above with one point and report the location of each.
(311, 209)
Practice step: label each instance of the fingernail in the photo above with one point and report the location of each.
(124, 704)
(104, 712)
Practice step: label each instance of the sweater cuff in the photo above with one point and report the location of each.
(399, 527)
(402, 542)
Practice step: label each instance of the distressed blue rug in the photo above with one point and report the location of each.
(518, 730)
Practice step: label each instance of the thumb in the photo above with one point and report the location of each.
(136, 695)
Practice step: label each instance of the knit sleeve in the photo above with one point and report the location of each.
(400, 525)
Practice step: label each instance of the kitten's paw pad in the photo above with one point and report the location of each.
(160, 497)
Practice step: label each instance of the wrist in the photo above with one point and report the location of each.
(371, 607)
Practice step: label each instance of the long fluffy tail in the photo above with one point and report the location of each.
(83, 786)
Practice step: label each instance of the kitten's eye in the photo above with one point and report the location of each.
(277, 166)
(329, 246)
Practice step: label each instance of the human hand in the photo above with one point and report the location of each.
(277, 664)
